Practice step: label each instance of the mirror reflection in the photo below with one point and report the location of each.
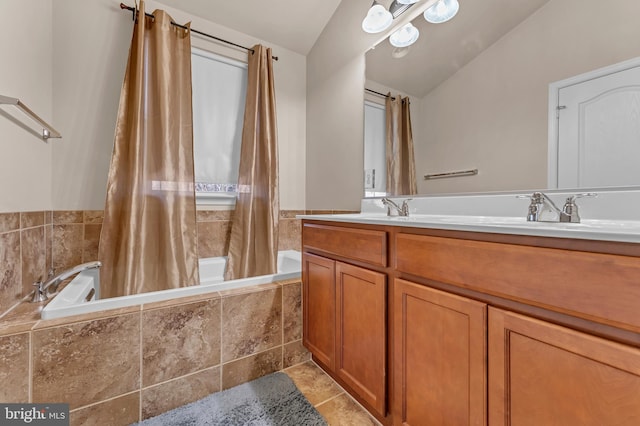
(480, 88)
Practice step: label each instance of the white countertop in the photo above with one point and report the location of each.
(594, 229)
(612, 216)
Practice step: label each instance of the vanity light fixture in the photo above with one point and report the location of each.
(442, 11)
(405, 36)
(377, 20)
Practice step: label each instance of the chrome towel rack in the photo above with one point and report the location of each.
(470, 172)
(47, 130)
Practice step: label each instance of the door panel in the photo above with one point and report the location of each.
(599, 131)
(361, 332)
(440, 357)
(319, 310)
(543, 374)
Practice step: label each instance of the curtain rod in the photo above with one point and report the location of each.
(134, 11)
(380, 94)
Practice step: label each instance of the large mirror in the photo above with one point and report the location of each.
(479, 86)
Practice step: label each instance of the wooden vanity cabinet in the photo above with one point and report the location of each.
(440, 357)
(496, 331)
(344, 312)
(545, 374)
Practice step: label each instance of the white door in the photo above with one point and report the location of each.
(599, 131)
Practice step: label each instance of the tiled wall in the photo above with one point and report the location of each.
(25, 254)
(138, 362)
(33, 243)
(117, 367)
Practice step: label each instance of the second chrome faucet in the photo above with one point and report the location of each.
(392, 207)
(540, 203)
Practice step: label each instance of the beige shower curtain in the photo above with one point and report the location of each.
(148, 239)
(401, 168)
(253, 248)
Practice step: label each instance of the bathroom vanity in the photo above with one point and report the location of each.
(428, 321)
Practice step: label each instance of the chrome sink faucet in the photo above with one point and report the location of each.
(41, 292)
(540, 202)
(400, 210)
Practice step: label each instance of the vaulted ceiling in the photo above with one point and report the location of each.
(294, 24)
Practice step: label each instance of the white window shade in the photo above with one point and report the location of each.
(219, 91)
(375, 165)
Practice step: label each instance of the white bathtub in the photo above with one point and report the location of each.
(72, 300)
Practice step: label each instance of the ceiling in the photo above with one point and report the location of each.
(442, 49)
(293, 24)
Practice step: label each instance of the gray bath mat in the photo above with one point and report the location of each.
(272, 400)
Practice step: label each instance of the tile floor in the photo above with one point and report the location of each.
(335, 405)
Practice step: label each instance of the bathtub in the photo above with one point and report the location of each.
(81, 295)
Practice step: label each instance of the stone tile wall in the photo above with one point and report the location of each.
(122, 366)
(25, 254)
(34, 243)
(117, 367)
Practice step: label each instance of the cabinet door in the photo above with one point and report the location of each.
(319, 307)
(439, 356)
(361, 332)
(543, 374)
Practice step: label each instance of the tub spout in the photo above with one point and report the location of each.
(41, 293)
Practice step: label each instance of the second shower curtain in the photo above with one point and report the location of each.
(401, 169)
(253, 248)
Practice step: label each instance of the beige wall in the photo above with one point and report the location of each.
(71, 72)
(492, 114)
(26, 50)
(335, 136)
(335, 109)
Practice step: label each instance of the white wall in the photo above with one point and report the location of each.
(26, 49)
(492, 114)
(67, 61)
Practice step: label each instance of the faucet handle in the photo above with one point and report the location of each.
(405, 207)
(570, 208)
(534, 211)
(535, 197)
(573, 198)
(39, 295)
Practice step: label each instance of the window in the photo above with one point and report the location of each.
(219, 87)
(375, 166)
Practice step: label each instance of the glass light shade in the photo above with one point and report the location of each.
(442, 11)
(405, 36)
(378, 19)
(407, 1)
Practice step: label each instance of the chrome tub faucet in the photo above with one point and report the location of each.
(400, 210)
(42, 291)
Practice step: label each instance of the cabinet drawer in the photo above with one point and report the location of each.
(358, 244)
(594, 286)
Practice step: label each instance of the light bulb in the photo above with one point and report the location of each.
(442, 11)
(405, 36)
(378, 19)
